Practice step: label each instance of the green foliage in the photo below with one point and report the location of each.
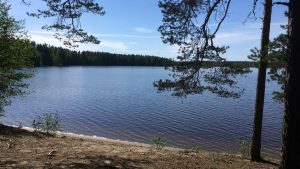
(67, 14)
(196, 149)
(49, 123)
(218, 80)
(244, 148)
(57, 56)
(157, 142)
(277, 62)
(15, 55)
(187, 24)
(20, 126)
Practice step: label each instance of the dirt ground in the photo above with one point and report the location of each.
(21, 148)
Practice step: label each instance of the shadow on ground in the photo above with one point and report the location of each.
(8, 130)
(102, 162)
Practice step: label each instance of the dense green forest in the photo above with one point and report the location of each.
(57, 56)
(46, 55)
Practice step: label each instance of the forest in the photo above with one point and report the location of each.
(193, 28)
(46, 55)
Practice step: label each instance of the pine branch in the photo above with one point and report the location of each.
(281, 3)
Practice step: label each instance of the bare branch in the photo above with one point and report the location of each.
(252, 14)
(25, 2)
(281, 3)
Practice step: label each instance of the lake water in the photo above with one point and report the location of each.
(121, 103)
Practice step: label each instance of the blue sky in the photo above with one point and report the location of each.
(130, 27)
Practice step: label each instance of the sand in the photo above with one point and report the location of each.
(22, 148)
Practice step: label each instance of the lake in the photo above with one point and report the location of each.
(121, 103)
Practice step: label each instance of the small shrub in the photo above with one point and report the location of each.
(37, 123)
(157, 142)
(245, 148)
(48, 123)
(20, 126)
(196, 149)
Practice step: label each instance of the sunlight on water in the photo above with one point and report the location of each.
(121, 103)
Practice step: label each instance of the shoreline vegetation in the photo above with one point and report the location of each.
(23, 148)
(46, 55)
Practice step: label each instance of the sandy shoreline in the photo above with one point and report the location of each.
(22, 148)
(89, 137)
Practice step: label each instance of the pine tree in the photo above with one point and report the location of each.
(291, 120)
(15, 54)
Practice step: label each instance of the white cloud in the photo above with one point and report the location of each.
(126, 36)
(113, 44)
(46, 37)
(173, 49)
(257, 25)
(133, 43)
(42, 32)
(143, 30)
(229, 38)
(247, 33)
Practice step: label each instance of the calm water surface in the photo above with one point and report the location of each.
(121, 103)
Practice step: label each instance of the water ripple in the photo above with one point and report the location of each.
(121, 103)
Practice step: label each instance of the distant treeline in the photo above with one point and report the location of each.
(56, 56)
(231, 64)
(47, 55)
(209, 64)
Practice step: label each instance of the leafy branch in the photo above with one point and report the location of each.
(67, 24)
(181, 27)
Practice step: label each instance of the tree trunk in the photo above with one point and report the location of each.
(291, 125)
(261, 81)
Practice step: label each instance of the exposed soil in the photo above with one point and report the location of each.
(21, 148)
